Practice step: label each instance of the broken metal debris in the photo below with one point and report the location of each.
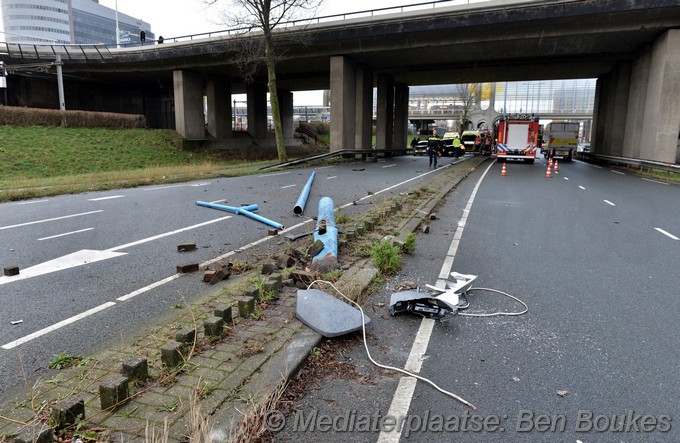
(16, 322)
(430, 305)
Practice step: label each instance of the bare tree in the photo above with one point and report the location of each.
(466, 94)
(265, 16)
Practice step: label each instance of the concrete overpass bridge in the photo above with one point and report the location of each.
(629, 46)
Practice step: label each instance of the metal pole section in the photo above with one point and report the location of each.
(228, 208)
(243, 210)
(3, 81)
(60, 84)
(117, 28)
(302, 200)
(326, 231)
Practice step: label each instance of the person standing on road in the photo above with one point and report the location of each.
(433, 148)
(457, 147)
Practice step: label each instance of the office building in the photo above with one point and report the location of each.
(68, 22)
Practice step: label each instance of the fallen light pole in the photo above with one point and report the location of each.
(326, 231)
(243, 210)
(302, 199)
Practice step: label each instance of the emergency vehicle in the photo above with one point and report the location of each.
(517, 138)
(562, 139)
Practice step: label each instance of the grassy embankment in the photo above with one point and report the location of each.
(40, 161)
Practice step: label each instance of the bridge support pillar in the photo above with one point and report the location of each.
(637, 106)
(257, 110)
(617, 108)
(364, 109)
(401, 116)
(343, 102)
(661, 127)
(218, 94)
(189, 116)
(384, 129)
(286, 108)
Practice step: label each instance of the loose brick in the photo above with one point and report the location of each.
(185, 247)
(304, 277)
(113, 392)
(68, 412)
(425, 229)
(208, 276)
(316, 247)
(433, 216)
(185, 269)
(220, 275)
(12, 271)
(273, 231)
(269, 268)
(135, 368)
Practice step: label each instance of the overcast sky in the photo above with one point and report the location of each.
(177, 18)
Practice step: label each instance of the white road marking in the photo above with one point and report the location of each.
(49, 220)
(655, 181)
(289, 186)
(149, 287)
(582, 188)
(165, 234)
(78, 258)
(389, 166)
(87, 256)
(609, 203)
(667, 234)
(331, 177)
(617, 172)
(397, 185)
(32, 202)
(65, 234)
(106, 198)
(157, 188)
(273, 175)
(401, 402)
(56, 326)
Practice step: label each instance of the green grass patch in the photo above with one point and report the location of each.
(41, 161)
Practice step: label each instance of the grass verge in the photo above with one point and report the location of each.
(43, 161)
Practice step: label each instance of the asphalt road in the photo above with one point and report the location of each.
(594, 254)
(97, 267)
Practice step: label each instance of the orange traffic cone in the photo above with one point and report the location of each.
(548, 174)
(503, 171)
(550, 162)
(556, 166)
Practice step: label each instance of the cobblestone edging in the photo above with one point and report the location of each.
(221, 354)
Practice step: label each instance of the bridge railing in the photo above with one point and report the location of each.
(49, 52)
(102, 51)
(636, 163)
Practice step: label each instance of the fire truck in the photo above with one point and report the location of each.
(517, 137)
